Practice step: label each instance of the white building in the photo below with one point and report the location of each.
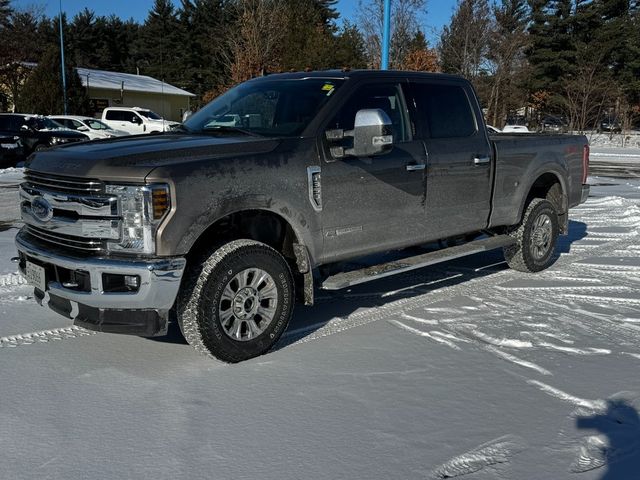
(111, 89)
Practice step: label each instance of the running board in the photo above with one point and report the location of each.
(354, 277)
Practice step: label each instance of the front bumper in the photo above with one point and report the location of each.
(143, 312)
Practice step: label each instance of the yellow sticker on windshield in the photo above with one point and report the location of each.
(328, 87)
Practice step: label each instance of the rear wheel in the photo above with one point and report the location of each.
(536, 238)
(236, 301)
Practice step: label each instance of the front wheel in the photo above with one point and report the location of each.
(236, 301)
(536, 238)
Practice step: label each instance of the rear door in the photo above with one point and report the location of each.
(373, 203)
(459, 164)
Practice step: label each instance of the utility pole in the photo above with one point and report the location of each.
(386, 33)
(64, 78)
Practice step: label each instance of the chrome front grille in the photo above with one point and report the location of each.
(59, 183)
(68, 212)
(68, 241)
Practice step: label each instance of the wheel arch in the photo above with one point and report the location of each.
(265, 226)
(549, 185)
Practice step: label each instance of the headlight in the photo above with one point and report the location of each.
(58, 140)
(142, 207)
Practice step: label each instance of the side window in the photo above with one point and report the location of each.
(444, 111)
(5, 123)
(387, 97)
(75, 124)
(113, 115)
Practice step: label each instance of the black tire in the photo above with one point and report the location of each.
(536, 238)
(204, 309)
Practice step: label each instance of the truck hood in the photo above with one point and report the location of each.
(132, 158)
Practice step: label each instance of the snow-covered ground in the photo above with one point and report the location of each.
(614, 140)
(466, 369)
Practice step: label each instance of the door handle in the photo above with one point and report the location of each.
(416, 166)
(481, 160)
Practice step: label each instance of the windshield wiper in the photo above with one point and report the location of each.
(230, 129)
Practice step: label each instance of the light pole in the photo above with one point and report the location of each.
(386, 33)
(64, 78)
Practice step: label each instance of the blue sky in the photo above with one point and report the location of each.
(438, 11)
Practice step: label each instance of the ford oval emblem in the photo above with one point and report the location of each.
(41, 209)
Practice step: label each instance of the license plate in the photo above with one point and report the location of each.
(8, 145)
(36, 276)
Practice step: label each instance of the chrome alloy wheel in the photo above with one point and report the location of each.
(248, 304)
(541, 235)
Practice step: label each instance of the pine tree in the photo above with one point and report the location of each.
(309, 38)
(507, 43)
(42, 92)
(349, 48)
(19, 43)
(156, 54)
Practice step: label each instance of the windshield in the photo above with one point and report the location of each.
(269, 108)
(149, 114)
(97, 125)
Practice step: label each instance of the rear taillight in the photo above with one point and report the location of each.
(585, 163)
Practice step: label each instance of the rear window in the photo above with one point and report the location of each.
(444, 111)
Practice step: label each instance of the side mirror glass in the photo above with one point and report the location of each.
(25, 128)
(135, 119)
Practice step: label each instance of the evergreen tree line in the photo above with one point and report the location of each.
(203, 46)
(579, 59)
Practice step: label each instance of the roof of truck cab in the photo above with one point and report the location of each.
(355, 74)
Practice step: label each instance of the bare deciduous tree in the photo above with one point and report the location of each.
(464, 43)
(587, 90)
(404, 27)
(255, 38)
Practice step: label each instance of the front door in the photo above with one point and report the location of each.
(373, 203)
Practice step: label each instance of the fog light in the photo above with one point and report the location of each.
(132, 281)
(115, 283)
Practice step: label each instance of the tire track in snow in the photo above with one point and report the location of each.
(44, 336)
(491, 453)
(594, 405)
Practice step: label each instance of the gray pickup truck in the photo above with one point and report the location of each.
(263, 195)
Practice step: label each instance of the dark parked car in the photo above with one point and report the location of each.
(610, 124)
(36, 132)
(553, 124)
(10, 149)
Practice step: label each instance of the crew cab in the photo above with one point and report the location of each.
(227, 224)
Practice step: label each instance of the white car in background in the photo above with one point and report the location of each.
(91, 127)
(136, 120)
(516, 129)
